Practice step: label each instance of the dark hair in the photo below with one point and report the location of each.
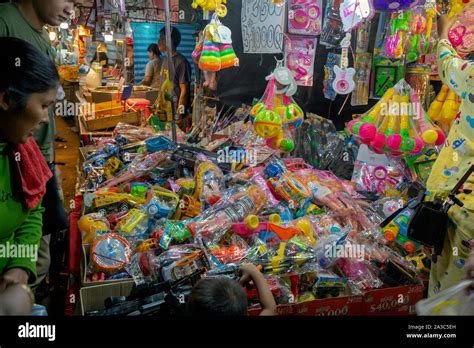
(175, 36)
(153, 48)
(217, 296)
(24, 70)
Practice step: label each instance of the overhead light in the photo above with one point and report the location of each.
(52, 36)
(64, 25)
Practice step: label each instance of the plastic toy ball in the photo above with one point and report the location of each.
(267, 124)
(293, 116)
(256, 109)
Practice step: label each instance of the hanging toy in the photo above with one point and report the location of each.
(456, 7)
(397, 124)
(209, 5)
(215, 51)
(277, 115)
(399, 28)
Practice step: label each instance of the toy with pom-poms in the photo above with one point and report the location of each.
(397, 124)
(277, 114)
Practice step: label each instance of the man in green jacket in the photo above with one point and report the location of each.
(25, 19)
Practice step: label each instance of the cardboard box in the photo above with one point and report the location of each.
(105, 94)
(110, 122)
(93, 297)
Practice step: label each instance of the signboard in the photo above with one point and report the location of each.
(262, 26)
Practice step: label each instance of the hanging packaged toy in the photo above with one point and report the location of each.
(461, 34)
(304, 17)
(395, 39)
(420, 40)
(333, 32)
(344, 81)
(217, 51)
(353, 12)
(457, 6)
(397, 124)
(277, 114)
(299, 53)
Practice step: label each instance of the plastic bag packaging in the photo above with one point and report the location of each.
(397, 124)
(360, 275)
(209, 182)
(457, 300)
(110, 253)
(248, 201)
(177, 262)
(91, 224)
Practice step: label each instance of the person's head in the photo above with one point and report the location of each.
(217, 296)
(175, 39)
(28, 86)
(153, 52)
(53, 12)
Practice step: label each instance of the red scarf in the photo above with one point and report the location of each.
(30, 169)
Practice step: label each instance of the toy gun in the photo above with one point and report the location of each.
(188, 155)
(396, 228)
(150, 299)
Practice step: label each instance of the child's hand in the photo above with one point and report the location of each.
(13, 276)
(16, 300)
(247, 272)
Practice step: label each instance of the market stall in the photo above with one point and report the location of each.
(326, 210)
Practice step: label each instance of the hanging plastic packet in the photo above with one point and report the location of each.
(457, 300)
(332, 33)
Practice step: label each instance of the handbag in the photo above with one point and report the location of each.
(428, 221)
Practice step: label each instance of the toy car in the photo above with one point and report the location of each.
(111, 202)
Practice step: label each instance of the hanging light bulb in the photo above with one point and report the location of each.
(64, 25)
(109, 37)
(52, 35)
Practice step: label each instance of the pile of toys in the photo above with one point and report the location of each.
(157, 211)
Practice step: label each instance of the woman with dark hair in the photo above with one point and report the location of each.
(152, 77)
(28, 86)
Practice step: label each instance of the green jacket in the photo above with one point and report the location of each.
(13, 24)
(20, 229)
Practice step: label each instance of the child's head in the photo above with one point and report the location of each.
(218, 296)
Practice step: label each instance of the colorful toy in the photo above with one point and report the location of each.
(397, 124)
(216, 51)
(304, 17)
(396, 230)
(461, 34)
(135, 221)
(393, 5)
(277, 115)
(399, 27)
(457, 6)
(210, 5)
(354, 12)
(110, 253)
(91, 224)
(344, 80)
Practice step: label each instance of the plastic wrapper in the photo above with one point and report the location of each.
(397, 124)
(328, 285)
(333, 32)
(277, 115)
(209, 183)
(174, 264)
(92, 224)
(378, 179)
(248, 201)
(110, 253)
(359, 274)
(456, 300)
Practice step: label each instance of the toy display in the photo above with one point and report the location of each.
(324, 213)
(397, 124)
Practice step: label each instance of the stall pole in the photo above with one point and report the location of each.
(170, 65)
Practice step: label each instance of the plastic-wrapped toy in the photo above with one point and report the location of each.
(305, 17)
(161, 203)
(360, 275)
(110, 253)
(246, 202)
(399, 28)
(444, 108)
(209, 5)
(397, 124)
(393, 5)
(461, 34)
(91, 224)
(134, 222)
(456, 300)
(276, 115)
(396, 229)
(217, 51)
(420, 40)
